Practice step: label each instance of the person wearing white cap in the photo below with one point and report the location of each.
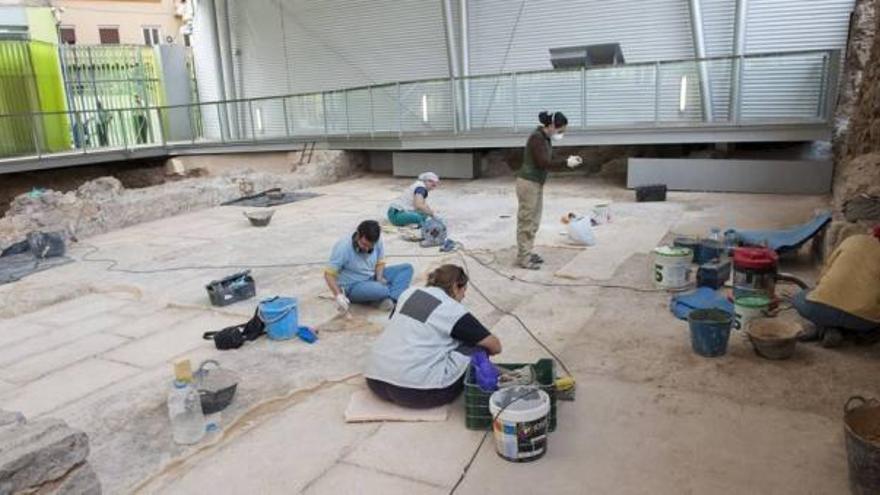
(411, 208)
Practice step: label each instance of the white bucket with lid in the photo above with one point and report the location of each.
(520, 422)
(672, 267)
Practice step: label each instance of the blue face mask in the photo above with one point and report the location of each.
(557, 136)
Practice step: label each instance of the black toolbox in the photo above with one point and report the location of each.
(234, 288)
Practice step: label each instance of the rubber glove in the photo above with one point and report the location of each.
(574, 161)
(342, 302)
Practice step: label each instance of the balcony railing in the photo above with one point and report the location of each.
(778, 88)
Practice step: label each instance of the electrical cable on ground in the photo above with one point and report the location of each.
(515, 317)
(113, 263)
(470, 462)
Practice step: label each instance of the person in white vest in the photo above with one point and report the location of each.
(420, 359)
(411, 208)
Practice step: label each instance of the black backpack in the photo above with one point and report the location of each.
(235, 336)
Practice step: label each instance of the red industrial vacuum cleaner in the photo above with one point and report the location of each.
(756, 271)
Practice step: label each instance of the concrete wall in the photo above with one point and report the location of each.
(746, 176)
(129, 16)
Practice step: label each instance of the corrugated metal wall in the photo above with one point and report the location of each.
(787, 25)
(647, 30)
(718, 25)
(299, 46)
(780, 88)
(335, 44)
(304, 46)
(207, 67)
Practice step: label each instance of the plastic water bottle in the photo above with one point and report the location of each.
(185, 412)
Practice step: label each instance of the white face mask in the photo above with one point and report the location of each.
(557, 136)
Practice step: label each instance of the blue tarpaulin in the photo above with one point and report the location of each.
(703, 298)
(783, 240)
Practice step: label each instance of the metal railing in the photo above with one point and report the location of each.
(784, 88)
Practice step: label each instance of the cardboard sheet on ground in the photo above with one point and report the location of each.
(365, 407)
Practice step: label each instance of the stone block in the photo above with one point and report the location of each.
(37, 452)
(81, 480)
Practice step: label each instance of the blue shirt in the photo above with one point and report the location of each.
(351, 266)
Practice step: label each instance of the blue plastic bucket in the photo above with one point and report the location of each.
(280, 316)
(710, 331)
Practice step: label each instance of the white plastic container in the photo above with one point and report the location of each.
(520, 424)
(185, 413)
(581, 232)
(672, 267)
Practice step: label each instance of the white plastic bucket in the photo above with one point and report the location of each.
(672, 267)
(520, 422)
(749, 308)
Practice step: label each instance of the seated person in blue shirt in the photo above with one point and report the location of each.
(357, 272)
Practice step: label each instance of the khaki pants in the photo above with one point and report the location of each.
(530, 196)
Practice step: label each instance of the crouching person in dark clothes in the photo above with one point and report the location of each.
(421, 358)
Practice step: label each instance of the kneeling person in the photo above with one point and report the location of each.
(421, 358)
(357, 272)
(846, 299)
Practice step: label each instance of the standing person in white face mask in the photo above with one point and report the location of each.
(537, 161)
(411, 208)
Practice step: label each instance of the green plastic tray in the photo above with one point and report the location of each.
(476, 402)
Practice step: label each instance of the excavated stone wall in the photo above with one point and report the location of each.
(856, 189)
(104, 204)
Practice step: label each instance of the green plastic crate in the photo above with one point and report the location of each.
(476, 402)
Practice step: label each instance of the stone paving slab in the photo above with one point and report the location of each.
(57, 337)
(44, 363)
(56, 389)
(169, 341)
(444, 446)
(76, 310)
(15, 330)
(5, 387)
(154, 323)
(626, 438)
(281, 455)
(346, 478)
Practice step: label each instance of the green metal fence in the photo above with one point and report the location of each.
(99, 80)
(31, 82)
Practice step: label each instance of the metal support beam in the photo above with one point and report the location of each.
(451, 54)
(218, 54)
(736, 65)
(229, 74)
(700, 53)
(465, 61)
